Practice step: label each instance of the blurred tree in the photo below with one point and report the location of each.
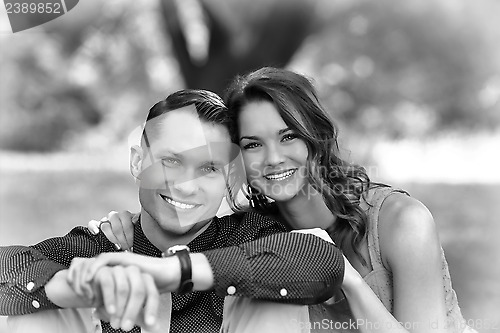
(385, 67)
(398, 68)
(213, 40)
(40, 107)
(86, 69)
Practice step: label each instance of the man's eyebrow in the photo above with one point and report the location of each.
(214, 163)
(249, 138)
(169, 152)
(180, 156)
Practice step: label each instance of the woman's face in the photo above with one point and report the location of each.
(275, 158)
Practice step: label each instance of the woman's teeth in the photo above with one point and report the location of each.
(280, 176)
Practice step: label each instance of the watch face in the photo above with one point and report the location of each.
(176, 248)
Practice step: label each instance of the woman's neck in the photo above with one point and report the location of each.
(307, 210)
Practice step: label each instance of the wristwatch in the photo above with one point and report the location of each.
(182, 253)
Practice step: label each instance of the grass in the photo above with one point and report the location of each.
(43, 204)
(37, 205)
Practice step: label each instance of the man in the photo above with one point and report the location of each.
(183, 167)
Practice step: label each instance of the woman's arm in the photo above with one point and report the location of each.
(410, 249)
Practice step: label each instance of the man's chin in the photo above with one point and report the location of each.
(184, 227)
(176, 230)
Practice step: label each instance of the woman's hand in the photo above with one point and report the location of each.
(118, 227)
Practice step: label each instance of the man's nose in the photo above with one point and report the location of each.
(186, 185)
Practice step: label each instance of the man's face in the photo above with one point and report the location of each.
(182, 179)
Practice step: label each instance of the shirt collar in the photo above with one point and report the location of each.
(202, 242)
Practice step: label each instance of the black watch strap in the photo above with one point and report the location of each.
(186, 285)
(182, 253)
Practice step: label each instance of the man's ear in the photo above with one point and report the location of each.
(136, 158)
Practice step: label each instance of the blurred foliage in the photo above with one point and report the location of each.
(384, 67)
(407, 68)
(85, 82)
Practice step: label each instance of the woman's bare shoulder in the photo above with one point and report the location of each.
(406, 229)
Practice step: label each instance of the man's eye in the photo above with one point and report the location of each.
(210, 169)
(170, 162)
(251, 145)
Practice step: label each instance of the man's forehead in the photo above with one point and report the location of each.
(217, 152)
(185, 127)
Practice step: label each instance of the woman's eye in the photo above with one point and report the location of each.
(250, 145)
(289, 137)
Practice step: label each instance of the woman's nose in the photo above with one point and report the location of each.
(274, 155)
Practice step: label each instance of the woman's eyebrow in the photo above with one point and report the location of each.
(284, 130)
(251, 137)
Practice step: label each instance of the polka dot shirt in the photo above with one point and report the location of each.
(251, 256)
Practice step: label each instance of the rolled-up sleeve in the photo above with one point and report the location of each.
(25, 270)
(23, 273)
(284, 267)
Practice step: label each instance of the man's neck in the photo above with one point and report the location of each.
(163, 239)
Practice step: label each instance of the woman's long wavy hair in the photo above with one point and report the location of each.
(341, 184)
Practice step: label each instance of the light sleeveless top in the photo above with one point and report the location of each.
(244, 315)
(380, 278)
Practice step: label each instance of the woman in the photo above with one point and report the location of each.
(396, 277)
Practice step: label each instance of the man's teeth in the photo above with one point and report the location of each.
(280, 176)
(178, 204)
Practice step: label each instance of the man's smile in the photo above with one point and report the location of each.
(179, 204)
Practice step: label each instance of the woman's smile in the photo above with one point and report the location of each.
(279, 176)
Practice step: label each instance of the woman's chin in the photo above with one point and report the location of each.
(282, 197)
(285, 193)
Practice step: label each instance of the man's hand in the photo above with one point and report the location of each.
(129, 297)
(122, 292)
(165, 271)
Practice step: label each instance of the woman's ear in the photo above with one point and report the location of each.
(136, 158)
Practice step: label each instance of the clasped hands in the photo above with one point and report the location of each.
(124, 287)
